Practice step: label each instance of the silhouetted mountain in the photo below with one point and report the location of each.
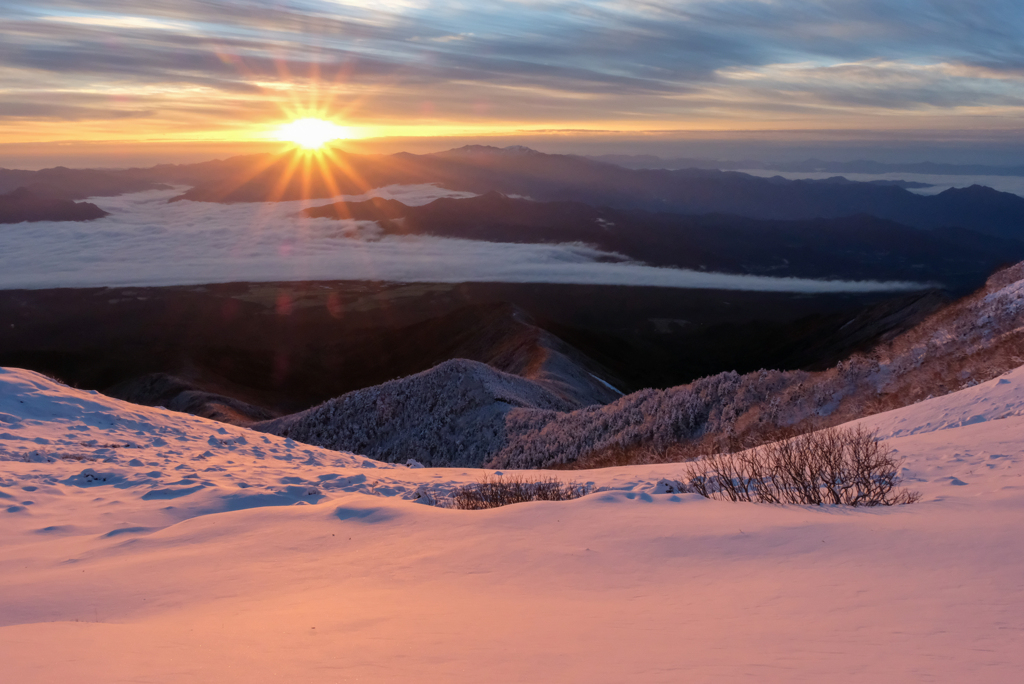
(650, 161)
(24, 205)
(547, 177)
(868, 166)
(853, 248)
(76, 184)
(285, 347)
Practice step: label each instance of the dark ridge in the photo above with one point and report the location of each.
(853, 248)
(545, 177)
(76, 184)
(374, 209)
(461, 414)
(24, 205)
(649, 161)
(176, 394)
(558, 178)
(285, 347)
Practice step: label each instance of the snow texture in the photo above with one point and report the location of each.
(450, 415)
(140, 544)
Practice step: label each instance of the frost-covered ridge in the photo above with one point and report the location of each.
(430, 418)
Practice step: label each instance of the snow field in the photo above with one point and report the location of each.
(179, 559)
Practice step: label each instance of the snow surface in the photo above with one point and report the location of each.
(146, 241)
(141, 545)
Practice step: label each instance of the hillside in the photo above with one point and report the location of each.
(22, 205)
(449, 416)
(563, 178)
(543, 177)
(135, 537)
(852, 248)
(970, 341)
(284, 347)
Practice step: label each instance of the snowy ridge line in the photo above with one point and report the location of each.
(65, 428)
(428, 417)
(83, 439)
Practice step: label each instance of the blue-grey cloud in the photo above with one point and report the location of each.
(527, 61)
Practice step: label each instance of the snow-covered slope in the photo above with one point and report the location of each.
(139, 544)
(972, 340)
(452, 414)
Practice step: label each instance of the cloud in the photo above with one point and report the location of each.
(530, 62)
(146, 241)
(200, 66)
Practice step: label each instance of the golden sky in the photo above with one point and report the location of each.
(234, 71)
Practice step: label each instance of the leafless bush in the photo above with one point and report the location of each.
(502, 490)
(845, 466)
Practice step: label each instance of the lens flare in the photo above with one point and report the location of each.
(311, 134)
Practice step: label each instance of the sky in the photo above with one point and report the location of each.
(231, 72)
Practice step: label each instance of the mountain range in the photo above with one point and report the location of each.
(858, 247)
(469, 414)
(543, 177)
(865, 166)
(553, 178)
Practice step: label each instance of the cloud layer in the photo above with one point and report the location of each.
(146, 241)
(223, 66)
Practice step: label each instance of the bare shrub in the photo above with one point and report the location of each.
(502, 490)
(842, 466)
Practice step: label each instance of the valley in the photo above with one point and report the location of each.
(284, 347)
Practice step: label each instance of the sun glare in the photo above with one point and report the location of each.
(311, 134)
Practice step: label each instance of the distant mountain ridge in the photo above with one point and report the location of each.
(524, 172)
(853, 248)
(23, 205)
(546, 177)
(865, 166)
(77, 184)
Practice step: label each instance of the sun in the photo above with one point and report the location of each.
(311, 134)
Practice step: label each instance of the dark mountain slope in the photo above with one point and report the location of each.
(566, 178)
(853, 248)
(168, 391)
(648, 161)
(287, 346)
(426, 417)
(24, 205)
(76, 184)
(519, 171)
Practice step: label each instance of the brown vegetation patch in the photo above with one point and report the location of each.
(503, 490)
(838, 466)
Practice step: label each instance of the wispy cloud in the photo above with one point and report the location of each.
(582, 63)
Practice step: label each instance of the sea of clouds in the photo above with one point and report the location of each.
(147, 241)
